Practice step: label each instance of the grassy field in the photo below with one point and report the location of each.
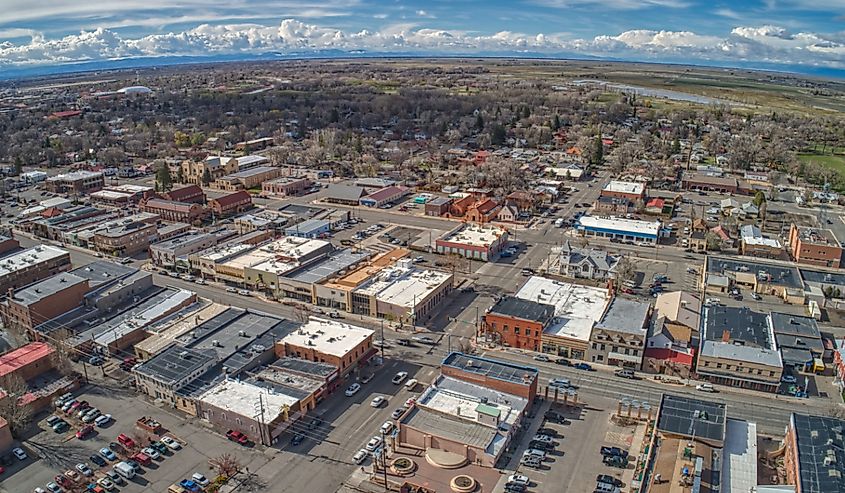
(834, 162)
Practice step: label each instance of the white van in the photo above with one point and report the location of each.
(410, 384)
(125, 470)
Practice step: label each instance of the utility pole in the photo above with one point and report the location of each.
(477, 324)
(384, 459)
(382, 339)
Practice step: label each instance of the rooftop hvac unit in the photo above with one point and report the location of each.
(184, 355)
(216, 343)
(242, 333)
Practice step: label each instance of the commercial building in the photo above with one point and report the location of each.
(126, 236)
(174, 252)
(473, 409)
(701, 181)
(339, 344)
(584, 263)
(738, 349)
(814, 246)
(183, 212)
(669, 346)
(76, 183)
(36, 366)
(336, 292)
(229, 204)
(633, 191)
(210, 169)
(8, 244)
(517, 323)
(344, 194)
(619, 338)
(26, 362)
(192, 194)
(577, 309)
(754, 244)
(263, 266)
(169, 371)
(311, 228)
(31, 265)
(474, 241)
(799, 341)
(254, 144)
(402, 293)
(265, 220)
(247, 179)
(776, 279)
(437, 206)
(814, 454)
(121, 195)
(645, 232)
(286, 186)
(251, 161)
(300, 283)
(384, 196)
(28, 307)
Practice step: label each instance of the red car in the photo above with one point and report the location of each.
(63, 481)
(237, 436)
(126, 441)
(84, 432)
(142, 459)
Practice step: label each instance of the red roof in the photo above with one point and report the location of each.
(180, 194)
(65, 114)
(670, 355)
(387, 193)
(238, 197)
(656, 203)
(24, 355)
(486, 206)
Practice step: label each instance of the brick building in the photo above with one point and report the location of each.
(287, 186)
(26, 362)
(814, 246)
(814, 454)
(191, 194)
(26, 308)
(632, 191)
(518, 323)
(76, 183)
(229, 204)
(174, 211)
(31, 265)
(341, 345)
(247, 179)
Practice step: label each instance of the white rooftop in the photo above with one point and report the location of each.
(620, 224)
(144, 317)
(129, 188)
(402, 284)
(280, 256)
(463, 406)
(761, 241)
(59, 202)
(577, 308)
(328, 336)
(29, 257)
(739, 457)
(110, 194)
(227, 250)
(246, 399)
(624, 187)
(474, 235)
(75, 175)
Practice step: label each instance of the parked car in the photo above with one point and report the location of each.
(397, 413)
(107, 453)
(626, 374)
(237, 436)
(424, 340)
(532, 452)
(608, 479)
(296, 440)
(788, 379)
(360, 456)
(200, 479)
(387, 427)
(84, 469)
(563, 362)
(352, 389)
(583, 366)
(613, 452)
(373, 444)
(377, 401)
(53, 488)
(541, 357)
(519, 479)
(102, 420)
(705, 387)
(151, 453)
(171, 443)
(84, 432)
(399, 377)
(96, 459)
(19, 453)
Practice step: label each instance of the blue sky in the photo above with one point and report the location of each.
(788, 33)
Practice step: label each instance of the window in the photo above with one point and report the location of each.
(718, 365)
(516, 330)
(602, 347)
(238, 420)
(595, 345)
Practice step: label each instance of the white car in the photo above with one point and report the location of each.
(199, 479)
(712, 301)
(151, 452)
(353, 389)
(519, 479)
(400, 377)
(387, 427)
(360, 456)
(374, 443)
(231, 290)
(788, 379)
(53, 488)
(244, 292)
(171, 443)
(102, 420)
(705, 387)
(377, 401)
(84, 469)
(19, 453)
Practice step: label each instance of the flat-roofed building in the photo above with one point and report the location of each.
(164, 374)
(121, 195)
(30, 306)
(166, 332)
(263, 266)
(310, 228)
(799, 341)
(126, 236)
(337, 291)
(814, 454)
(247, 179)
(174, 252)
(646, 232)
(701, 181)
(480, 242)
(31, 265)
(8, 244)
(618, 339)
(251, 161)
(286, 186)
(402, 293)
(328, 341)
(517, 323)
(577, 309)
(76, 182)
(300, 283)
(738, 348)
(26, 362)
(814, 246)
(265, 220)
(779, 279)
(386, 195)
(633, 191)
(207, 261)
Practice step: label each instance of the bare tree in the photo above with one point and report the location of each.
(17, 412)
(226, 465)
(625, 271)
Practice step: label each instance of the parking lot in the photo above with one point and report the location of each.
(574, 460)
(53, 453)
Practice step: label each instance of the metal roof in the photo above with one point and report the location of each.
(624, 315)
(345, 192)
(690, 417)
(821, 453)
(769, 273)
(46, 288)
(797, 325)
(305, 366)
(327, 267)
(523, 309)
(499, 370)
(744, 325)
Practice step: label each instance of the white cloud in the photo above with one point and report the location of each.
(763, 44)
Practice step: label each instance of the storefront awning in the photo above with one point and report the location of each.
(623, 357)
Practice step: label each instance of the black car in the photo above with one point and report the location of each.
(563, 362)
(297, 439)
(547, 431)
(608, 479)
(314, 423)
(96, 459)
(540, 445)
(515, 487)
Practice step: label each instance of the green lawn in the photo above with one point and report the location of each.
(835, 162)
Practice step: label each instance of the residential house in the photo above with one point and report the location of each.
(670, 347)
(508, 214)
(585, 263)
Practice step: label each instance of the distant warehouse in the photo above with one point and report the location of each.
(623, 229)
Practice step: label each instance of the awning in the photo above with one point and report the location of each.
(623, 357)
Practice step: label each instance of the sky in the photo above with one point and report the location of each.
(802, 35)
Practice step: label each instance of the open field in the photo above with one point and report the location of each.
(832, 161)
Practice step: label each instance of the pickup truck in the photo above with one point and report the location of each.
(149, 424)
(613, 452)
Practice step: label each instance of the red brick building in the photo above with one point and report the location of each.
(233, 203)
(632, 191)
(814, 246)
(33, 305)
(191, 193)
(483, 211)
(169, 210)
(27, 362)
(499, 375)
(518, 323)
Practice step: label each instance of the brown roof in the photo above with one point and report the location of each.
(486, 206)
(233, 198)
(169, 205)
(183, 193)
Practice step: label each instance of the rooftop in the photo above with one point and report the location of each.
(475, 235)
(624, 187)
(182, 240)
(243, 398)
(292, 383)
(337, 191)
(363, 273)
(44, 289)
(175, 364)
(690, 417)
(328, 336)
(102, 272)
(140, 316)
(679, 307)
(817, 236)
(386, 192)
(323, 269)
(307, 226)
(797, 325)
(633, 226)
(29, 257)
(165, 333)
(822, 277)
(821, 453)
(462, 400)
(743, 326)
(247, 173)
(75, 175)
(626, 315)
(523, 309)
(449, 427)
(782, 275)
(24, 355)
(221, 253)
(577, 308)
(492, 368)
(404, 285)
(305, 367)
(739, 457)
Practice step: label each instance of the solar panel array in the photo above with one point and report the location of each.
(692, 417)
(493, 369)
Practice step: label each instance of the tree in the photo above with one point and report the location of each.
(18, 416)
(625, 271)
(479, 121)
(676, 146)
(712, 241)
(598, 154)
(164, 182)
(556, 122)
(181, 139)
(206, 177)
(759, 199)
(498, 134)
(18, 166)
(225, 465)
(197, 139)
(180, 175)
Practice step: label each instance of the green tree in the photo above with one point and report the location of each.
(498, 134)
(197, 139)
(598, 155)
(556, 122)
(180, 175)
(164, 182)
(676, 146)
(206, 177)
(181, 139)
(18, 166)
(759, 199)
(479, 121)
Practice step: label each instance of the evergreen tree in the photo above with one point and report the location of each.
(598, 155)
(18, 166)
(163, 179)
(206, 177)
(479, 121)
(556, 122)
(676, 146)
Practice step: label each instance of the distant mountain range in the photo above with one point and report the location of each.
(21, 72)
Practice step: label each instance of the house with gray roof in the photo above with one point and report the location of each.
(585, 263)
